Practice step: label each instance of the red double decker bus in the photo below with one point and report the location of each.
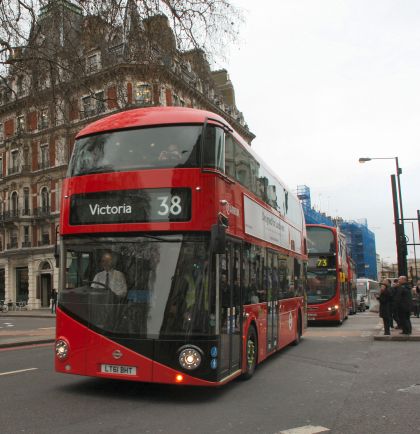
(327, 274)
(182, 256)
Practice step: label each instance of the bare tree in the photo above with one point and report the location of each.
(208, 25)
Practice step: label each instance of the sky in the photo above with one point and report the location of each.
(322, 83)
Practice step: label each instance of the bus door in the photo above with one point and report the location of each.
(229, 266)
(271, 282)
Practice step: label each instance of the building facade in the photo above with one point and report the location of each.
(44, 104)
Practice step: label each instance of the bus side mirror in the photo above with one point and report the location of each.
(218, 239)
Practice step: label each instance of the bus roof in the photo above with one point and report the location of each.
(150, 116)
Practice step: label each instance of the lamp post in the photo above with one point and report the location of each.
(398, 215)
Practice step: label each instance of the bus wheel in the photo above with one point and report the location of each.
(298, 331)
(251, 353)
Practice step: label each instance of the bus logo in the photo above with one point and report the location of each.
(117, 354)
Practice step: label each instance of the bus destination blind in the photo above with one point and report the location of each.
(131, 206)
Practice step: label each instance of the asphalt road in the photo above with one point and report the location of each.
(338, 379)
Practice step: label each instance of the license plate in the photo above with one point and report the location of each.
(118, 369)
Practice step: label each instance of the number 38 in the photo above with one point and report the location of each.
(174, 207)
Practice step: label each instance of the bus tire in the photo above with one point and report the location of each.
(251, 353)
(298, 331)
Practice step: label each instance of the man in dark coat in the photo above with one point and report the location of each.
(385, 305)
(404, 303)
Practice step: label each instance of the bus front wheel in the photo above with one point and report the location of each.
(298, 331)
(251, 353)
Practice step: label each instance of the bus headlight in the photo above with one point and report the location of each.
(333, 308)
(190, 358)
(61, 349)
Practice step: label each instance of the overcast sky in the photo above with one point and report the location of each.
(324, 82)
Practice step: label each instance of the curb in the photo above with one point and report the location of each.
(415, 338)
(26, 343)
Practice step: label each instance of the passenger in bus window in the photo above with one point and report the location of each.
(110, 278)
(172, 153)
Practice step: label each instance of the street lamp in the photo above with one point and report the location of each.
(398, 215)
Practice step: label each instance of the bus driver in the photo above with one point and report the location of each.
(110, 278)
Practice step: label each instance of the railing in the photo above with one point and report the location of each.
(42, 212)
(12, 245)
(43, 165)
(92, 111)
(14, 169)
(26, 244)
(44, 242)
(11, 214)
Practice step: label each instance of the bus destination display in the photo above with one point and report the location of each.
(131, 206)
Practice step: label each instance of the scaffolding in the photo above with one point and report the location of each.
(360, 240)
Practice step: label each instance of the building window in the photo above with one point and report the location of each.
(26, 237)
(100, 101)
(45, 200)
(20, 124)
(14, 162)
(14, 204)
(44, 158)
(43, 119)
(87, 107)
(93, 63)
(45, 236)
(1, 167)
(26, 201)
(93, 105)
(143, 94)
(13, 237)
(20, 86)
(1, 131)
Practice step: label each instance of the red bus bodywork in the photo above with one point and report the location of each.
(212, 194)
(331, 302)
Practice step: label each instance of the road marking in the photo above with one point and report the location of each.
(18, 372)
(308, 429)
(46, 328)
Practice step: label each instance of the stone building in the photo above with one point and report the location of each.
(96, 69)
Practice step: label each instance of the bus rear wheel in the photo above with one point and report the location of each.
(251, 353)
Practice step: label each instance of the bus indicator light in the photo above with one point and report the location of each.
(213, 352)
(179, 378)
(213, 364)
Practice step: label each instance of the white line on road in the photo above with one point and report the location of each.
(308, 429)
(18, 372)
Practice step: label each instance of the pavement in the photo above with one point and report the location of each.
(11, 338)
(396, 336)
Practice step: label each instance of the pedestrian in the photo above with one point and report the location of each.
(53, 300)
(385, 305)
(416, 300)
(404, 304)
(394, 296)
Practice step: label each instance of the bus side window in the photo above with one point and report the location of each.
(230, 156)
(282, 272)
(242, 166)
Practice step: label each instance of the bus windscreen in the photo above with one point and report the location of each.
(140, 287)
